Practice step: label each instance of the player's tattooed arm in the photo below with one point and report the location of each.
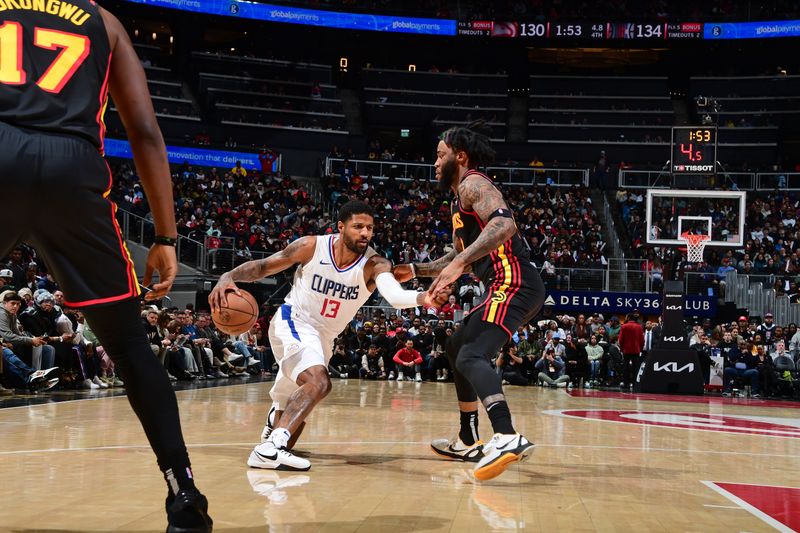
(297, 252)
(433, 268)
(481, 196)
(484, 198)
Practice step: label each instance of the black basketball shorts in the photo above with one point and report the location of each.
(55, 197)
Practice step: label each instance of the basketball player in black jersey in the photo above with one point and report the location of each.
(58, 60)
(485, 240)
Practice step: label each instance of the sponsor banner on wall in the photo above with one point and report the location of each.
(624, 302)
(223, 159)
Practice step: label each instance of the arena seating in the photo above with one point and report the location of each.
(400, 98)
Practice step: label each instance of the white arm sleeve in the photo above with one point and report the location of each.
(390, 289)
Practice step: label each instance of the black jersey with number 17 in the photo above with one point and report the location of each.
(54, 62)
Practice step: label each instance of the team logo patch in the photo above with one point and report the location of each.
(457, 223)
(499, 297)
(767, 426)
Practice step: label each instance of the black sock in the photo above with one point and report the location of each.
(500, 416)
(469, 427)
(180, 478)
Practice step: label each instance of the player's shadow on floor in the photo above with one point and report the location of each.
(394, 523)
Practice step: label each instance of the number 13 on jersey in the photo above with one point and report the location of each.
(330, 308)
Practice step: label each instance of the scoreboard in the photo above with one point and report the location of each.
(694, 150)
(592, 31)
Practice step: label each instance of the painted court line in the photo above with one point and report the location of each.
(408, 443)
(747, 507)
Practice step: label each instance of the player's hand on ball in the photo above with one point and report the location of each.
(402, 273)
(217, 297)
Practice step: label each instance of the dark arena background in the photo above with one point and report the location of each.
(650, 153)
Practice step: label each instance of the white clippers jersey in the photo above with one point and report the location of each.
(325, 296)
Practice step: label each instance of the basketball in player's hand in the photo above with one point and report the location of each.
(239, 315)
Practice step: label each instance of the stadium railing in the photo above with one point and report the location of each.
(744, 181)
(661, 179)
(380, 169)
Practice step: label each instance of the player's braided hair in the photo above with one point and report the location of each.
(472, 139)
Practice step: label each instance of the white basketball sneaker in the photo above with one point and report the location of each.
(268, 457)
(455, 449)
(500, 452)
(268, 426)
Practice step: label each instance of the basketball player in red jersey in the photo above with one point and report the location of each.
(485, 239)
(57, 64)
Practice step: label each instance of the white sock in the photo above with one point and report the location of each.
(280, 437)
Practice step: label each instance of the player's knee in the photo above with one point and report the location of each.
(317, 380)
(467, 358)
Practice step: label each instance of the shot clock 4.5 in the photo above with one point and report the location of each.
(694, 150)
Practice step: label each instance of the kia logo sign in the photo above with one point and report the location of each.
(673, 308)
(674, 339)
(673, 367)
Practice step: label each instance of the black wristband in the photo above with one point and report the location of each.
(166, 241)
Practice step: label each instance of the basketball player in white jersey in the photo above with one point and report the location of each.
(335, 276)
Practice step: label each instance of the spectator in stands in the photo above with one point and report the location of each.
(554, 341)
(741, 363)
(767, 380)
(17, 268)
(238, 170)
(509, 365)
(372, 364)
(703, 349)
(33, 349)
(551, 369)
(408, 361)
(21, 376)
(6, 280)
(631, 342)
(581, 329)
(450, 307)
(575, 359)
(340, 364)
(594, 352)
(767, 328)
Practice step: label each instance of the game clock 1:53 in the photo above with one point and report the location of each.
(694, 150)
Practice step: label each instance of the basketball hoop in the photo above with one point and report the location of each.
(695, 244)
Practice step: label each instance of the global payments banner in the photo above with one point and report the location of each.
(752, 30)
(309, 17)
(648, 303)
(178, 155)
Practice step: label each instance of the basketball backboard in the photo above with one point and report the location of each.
(672, 212)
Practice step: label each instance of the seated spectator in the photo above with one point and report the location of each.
(408, 360)
(767, 380)
(33, 349)
(576, 359)
(341, 364)
(372, 364)
(786, 374)
(509, 365)
(94, 349)
(741, 363)
(551, 369)
(21, 376)
(450, 307)
(594, 353)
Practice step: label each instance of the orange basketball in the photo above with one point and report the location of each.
(239, 315)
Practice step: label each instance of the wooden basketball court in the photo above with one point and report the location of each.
(604, 462)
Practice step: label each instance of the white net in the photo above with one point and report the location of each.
(695, 244)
